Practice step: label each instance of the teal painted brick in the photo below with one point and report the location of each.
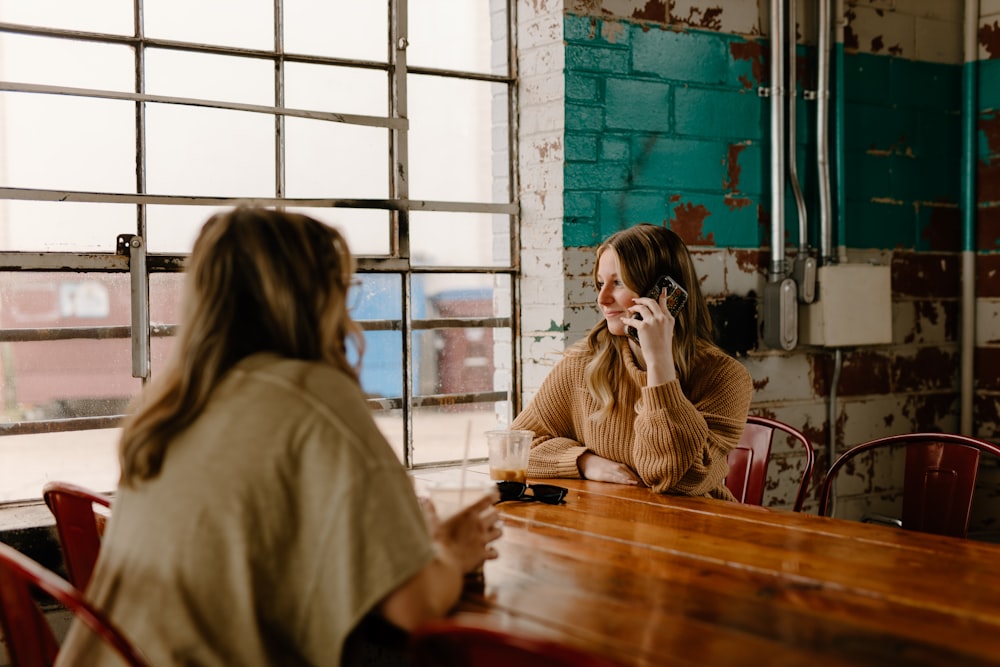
(913, 180)
(622, 209)
(925, 85)
(615, 148)
(751, 165)
(678, 164)
(682, 56)
(983, 151)
(596, 59)
(939, 135)
(580, 204)
(635, 104)
(717, 113)
(866, 78)
(866, 174)
(581, 234)
(988, 72)
(879, 225)
(591, 30)
(876, 127)
(580, 88)
(579, 147)
(581, 117)
(585, 176)
(710, 219)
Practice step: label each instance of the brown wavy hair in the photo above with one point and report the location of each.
(646, 252)
(257, 280)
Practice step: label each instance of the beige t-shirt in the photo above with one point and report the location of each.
(279, 519)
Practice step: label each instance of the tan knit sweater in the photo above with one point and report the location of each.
(675, 438)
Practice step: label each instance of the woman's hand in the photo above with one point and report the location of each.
(656, 338)
(601, 469)
(466, 536)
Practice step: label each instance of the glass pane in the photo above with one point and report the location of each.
(246, 23)
(381, 299)
(89, 458)
(336, 160)
(461, 295)
(439, 433)
(452, 128)
(63, 62)
(382, 365)
(64, 226)
(472, 39)
(462, 360)
(65, 378)
(459, 239)
(337, 28)
(115, 15)
(173, 229)
(67, 143)
(225, 78)
(165, 291)
(390, 422)
(209, 152)
(340, 89)
(367, 231)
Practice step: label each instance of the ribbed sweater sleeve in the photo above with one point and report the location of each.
(676, 439)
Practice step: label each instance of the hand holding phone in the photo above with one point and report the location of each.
(676, 298)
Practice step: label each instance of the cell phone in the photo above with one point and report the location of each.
(676, 298)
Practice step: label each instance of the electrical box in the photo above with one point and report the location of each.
(853, 306)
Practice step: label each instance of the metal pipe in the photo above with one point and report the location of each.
(822, 132)
(969, 150)
(841, 190)
(777, 268)
(793, 170)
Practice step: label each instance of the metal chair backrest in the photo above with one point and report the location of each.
(453, 643)
(747, 475)
(79, 527)
(939, 479)
(30, 641)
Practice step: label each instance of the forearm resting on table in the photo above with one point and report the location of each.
(429, 594)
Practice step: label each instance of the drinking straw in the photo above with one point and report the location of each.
(465, 464)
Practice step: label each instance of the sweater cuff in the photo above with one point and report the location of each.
(663, 396)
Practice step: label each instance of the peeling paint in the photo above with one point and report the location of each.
(930, 368)
(753, 52)
(731, 180)
(851, 41)
(654, 10)
(941, 230)
(988, 276)
(747, 261)
(989, 39)
(988, 228)
(688, 222)
(989, 126)
(865, 372)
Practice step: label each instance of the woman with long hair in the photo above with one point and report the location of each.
(647, 397)
(261, 517)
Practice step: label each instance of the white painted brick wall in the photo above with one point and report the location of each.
(541, 124)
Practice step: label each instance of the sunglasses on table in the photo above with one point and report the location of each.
(543, 493)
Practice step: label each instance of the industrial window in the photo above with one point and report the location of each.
(125, 124)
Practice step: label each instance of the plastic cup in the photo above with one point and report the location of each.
(453, 495)
(508, 451)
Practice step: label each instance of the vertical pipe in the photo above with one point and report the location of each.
(969, 160)
(823, 131)
(777, 270)
(838, 140)
(793, 169)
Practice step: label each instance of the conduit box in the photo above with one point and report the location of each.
(853, 306)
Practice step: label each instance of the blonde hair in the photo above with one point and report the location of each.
(646, 252)
(258, 280)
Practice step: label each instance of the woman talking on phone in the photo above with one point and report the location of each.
(647, 398)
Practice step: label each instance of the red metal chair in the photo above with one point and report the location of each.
(939, 479)
(748, 461)
(462, 643)
(30, 641)
(78, 525)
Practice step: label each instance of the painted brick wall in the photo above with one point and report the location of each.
(662, 123)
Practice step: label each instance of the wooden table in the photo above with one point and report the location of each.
(652, 579)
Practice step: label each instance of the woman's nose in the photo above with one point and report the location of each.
(604, 295)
